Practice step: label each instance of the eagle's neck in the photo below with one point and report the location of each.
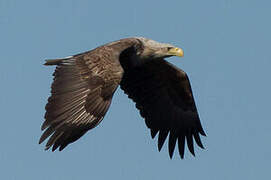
(123, 44)
(127, 51)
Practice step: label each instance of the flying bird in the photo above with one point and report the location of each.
(84, 85)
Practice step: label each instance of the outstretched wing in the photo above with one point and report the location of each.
(164, 97)
(81, 95)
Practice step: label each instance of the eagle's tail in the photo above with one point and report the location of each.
(50, 62)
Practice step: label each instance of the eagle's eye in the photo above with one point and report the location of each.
(168, 48)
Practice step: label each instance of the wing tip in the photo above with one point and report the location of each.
(46, 148)
(51, 62)
(202, 133)
(153, 133)
(162, 138)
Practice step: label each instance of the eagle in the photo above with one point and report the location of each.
(84, 84)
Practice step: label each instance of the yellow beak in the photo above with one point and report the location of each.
(175, 52)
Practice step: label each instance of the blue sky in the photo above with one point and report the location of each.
(227, 57)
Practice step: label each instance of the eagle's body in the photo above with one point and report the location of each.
(84, 85)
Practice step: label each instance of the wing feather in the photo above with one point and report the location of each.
(81, 95)
(163, 95)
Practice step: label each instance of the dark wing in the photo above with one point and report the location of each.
(163, 95)
(81, 95)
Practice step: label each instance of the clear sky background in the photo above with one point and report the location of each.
(227, 57)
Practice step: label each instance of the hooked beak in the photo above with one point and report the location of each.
(175, 52)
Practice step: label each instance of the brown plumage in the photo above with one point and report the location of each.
(85, 83)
